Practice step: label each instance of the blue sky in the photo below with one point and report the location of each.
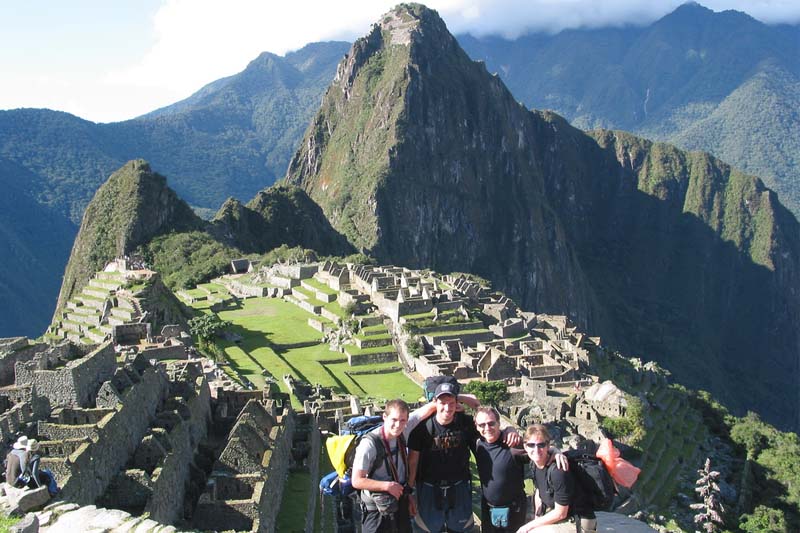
(109, 60)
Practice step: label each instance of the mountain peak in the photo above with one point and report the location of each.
(131, 207)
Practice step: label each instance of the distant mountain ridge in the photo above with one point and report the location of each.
(719, 82)
(232, 138)
(424, 159)
(236, 135)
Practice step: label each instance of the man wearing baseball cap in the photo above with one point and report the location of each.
(438, 461)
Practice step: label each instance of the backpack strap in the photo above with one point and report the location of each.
(380, 452)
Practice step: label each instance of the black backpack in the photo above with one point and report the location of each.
(431, 382)
(594, 487)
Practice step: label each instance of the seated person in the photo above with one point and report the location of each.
(36, 476)
(17, 462)
(554, 501)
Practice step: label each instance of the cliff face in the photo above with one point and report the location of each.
(130, 208)
(421, 157)
(279, 215)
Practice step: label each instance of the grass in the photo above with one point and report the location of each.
(321, 287)
(294, 504)
(355, 350)
(6, 522)
(377, 327)
(277, 340)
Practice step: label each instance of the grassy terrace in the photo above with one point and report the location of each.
(277, 340)
(355, 350)
(372, 329)
(449, 333)
(321, 287)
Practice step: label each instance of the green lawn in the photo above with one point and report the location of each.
(277, 340)
(321, 287)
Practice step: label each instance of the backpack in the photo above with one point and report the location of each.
(431, 382)
(342, 450)
(594, 487)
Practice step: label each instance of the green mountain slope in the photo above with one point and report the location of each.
(132, 207)
(675, 80)
(135, 214)
(423, 158)
(233, 137)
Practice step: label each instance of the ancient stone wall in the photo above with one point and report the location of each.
(169, 478)
(77, 382)
(118, 435)
(130, 333)
(163, 353)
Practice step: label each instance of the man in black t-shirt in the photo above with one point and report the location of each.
(502, 473)
(554, 496)
(438, 460)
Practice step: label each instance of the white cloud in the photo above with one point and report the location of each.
(195, 42)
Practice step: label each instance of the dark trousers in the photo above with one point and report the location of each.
(399, 522)
(516, 517)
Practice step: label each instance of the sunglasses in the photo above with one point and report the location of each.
(540, 445)
(490, 424)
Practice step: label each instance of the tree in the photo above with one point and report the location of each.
(710, 509)
(763, 520)
(207, 327)
(488, 392)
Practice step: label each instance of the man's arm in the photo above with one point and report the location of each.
(511, 437)
(362, 482)
(413, 461)
(471, 400)
(557, 514)
(559, 459)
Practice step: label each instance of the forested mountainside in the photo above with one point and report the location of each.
(424, 159)
(722, 82)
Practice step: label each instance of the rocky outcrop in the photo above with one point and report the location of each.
(130, 208)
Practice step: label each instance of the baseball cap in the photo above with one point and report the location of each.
(444, 388)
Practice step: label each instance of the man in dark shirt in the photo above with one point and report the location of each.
(554, 496)
(438, 460)
(502, 472)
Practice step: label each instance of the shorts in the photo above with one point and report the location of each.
(440, 506)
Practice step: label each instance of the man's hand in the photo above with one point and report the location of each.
(560, 459)
(511, 438)
(395, 489)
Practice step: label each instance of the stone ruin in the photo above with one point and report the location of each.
(126, 431)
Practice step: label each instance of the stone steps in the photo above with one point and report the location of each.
(96, 336)
(90, 319)
(68, 325)
(96, 292)
(115, 321)
(108, 285)
(125, 314)
(91, 301)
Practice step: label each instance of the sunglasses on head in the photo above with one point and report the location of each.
(540, 445)
(490, 423)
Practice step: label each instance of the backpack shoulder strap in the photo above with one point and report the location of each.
(380, 453)
(549, 476)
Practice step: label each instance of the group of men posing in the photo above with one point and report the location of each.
(416, 466)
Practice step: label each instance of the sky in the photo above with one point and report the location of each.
(111, 60)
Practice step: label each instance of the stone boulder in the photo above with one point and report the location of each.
(28, 524)
(20, 501)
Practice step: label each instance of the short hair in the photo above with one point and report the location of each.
(488, 410)
(537, 429)
(398, 404)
